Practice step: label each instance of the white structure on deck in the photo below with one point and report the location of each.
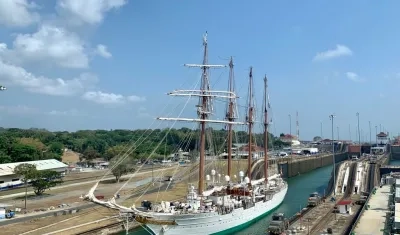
(360, 176)
(9, 179)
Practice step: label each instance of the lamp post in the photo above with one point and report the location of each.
(332, 116)
(321, 131)
(3, 88)
(337, 133)
(350, 133)
(358, 128)
(290, 125)
(370, 134)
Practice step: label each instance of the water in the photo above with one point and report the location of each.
(394, 163)
(299, 189)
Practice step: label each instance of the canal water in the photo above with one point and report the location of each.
(395, 163)
(299, 189)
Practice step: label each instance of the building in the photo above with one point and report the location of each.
(291, 139)
(382, 138)
(9, 180)
(344, 207)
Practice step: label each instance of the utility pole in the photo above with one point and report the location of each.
(332, 116)
(370, 134)
(290, 125)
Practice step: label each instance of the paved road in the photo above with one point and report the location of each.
(81, 183)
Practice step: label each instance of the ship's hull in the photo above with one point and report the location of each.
(214, 223)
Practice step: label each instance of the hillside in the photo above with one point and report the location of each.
(35, 144)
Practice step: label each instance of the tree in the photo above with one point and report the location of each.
(27, 172)
(121, 166)
(317, 138)
(117, 150)
(90, 154)
(56, 147)
(4, 158)
(44, 180)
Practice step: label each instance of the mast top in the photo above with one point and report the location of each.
(231, 62)
(205, 39)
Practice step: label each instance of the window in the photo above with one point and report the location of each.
(1, 182)
(14, 180)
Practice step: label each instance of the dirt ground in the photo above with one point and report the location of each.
(70, 157)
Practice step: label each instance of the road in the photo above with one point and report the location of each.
(82, 183)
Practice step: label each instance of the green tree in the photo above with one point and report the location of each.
(57, 148)
(121, 166)
(317, 138)
(44, 180)
(117, 150)
(27, 172)
(4, 158)
(90, 154)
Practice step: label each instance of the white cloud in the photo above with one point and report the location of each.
(102, 51)
(134, 98)
(15, 75)
(19, 109)
(110, 98)
(49, 44)
(72, 112)
(53, 45)
(17, 13)
(78, 12)
(339, 51)
(354, 77)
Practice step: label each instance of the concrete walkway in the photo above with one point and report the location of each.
(373, 220)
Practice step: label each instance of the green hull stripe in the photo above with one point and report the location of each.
(245, 225)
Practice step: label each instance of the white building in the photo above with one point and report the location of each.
(344, 207)
(8, 179)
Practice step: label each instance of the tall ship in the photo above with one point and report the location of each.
(215, 207)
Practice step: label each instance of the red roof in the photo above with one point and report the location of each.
(344, 202)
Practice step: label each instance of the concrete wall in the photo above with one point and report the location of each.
(295, 166)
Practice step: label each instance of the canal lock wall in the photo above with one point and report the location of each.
(294, 166)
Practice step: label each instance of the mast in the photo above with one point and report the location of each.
(204, 107)
(250, 121)
(203, 111)
(265, 129)
(230, 116)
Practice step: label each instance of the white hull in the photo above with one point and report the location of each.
(211, 223)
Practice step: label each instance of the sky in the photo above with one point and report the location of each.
(108, 64)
